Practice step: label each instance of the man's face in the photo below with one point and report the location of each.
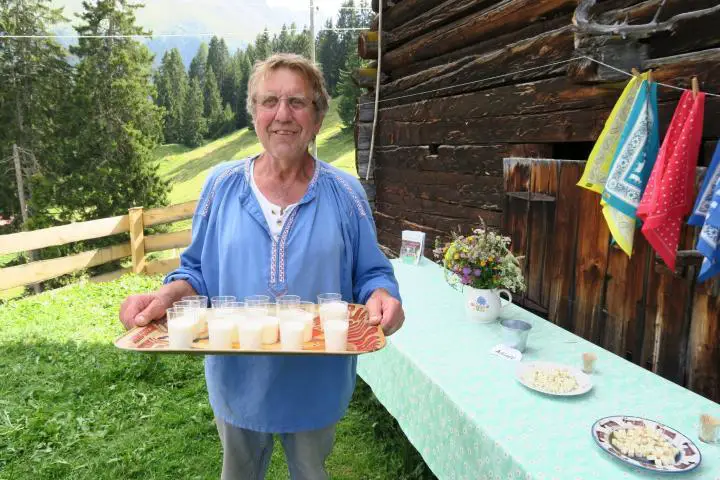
(285, 117)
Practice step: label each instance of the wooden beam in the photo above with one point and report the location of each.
(485, 160)
(506, 16)
(542, 96)
(426, 20)
(471, 51)
(46, 269)
(64, 234)
(482, 70)
(564, 126)
(449, 187)
(367, 77)
(173, 213)
(166, 241)
(162, 266)
(405, 11)
(137, 239)
(368, 44)
(110, 276)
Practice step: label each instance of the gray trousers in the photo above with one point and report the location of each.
(246, 453)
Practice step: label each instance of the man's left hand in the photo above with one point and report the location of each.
(385, 310)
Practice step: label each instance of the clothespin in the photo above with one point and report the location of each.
(635, 72)
(695, 87)
(650, 79)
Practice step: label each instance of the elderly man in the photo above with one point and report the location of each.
(280, 223)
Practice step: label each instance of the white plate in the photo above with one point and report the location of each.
(688, 459)
(525, 371)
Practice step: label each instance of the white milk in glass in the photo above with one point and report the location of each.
(333, 311)
(269, 330)
(291, 334)
(250, 333)
(307, 319)
(336, 334)
(181, 331)
(221, 332)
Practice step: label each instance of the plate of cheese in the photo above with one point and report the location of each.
(553, 378)
(646, 444)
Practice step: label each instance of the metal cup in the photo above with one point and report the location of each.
(515, 333)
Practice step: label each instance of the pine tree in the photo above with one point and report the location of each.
(300, 43)
(263, 47)
(194, 125)
(35, 81)
(242, 117)
(198, 63)
(171, 82)
(117, 126)
(328, 56)
(281, 43)
(213, 103)
(218, 60)
(348, 90)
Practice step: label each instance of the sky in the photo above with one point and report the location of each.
(238, 21)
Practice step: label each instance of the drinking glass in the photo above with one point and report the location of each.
(181, 325)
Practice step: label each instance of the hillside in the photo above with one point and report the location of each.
(187, 168)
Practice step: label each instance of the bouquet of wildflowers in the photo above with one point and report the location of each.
(480, 260)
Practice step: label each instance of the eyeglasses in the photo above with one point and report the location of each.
(296, 103)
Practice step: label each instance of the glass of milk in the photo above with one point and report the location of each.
(308, 312)
(335, 310)
(250, 332)
(181, 324)
(219, 301)
(336, 335)
(202, 309)
(222, 331)
(285, 303)
(270, 329)
(291, 334)
(257, 306)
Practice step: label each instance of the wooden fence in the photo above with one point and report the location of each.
(134, 222)
(636, 307)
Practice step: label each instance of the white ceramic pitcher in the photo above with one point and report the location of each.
(484, 305)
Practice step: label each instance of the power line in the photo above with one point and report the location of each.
(161, 35)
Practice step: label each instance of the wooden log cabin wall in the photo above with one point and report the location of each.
(457, 139)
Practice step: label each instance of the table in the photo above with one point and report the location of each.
(468, 416)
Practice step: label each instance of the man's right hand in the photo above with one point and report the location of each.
(139, 310)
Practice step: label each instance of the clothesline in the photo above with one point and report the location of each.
(510, 74)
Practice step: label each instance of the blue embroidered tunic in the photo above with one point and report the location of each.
(328, 244)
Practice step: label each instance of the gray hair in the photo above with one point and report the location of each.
(296, 63)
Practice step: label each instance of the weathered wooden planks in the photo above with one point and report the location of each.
(504, 17)
(470, 52)
(562, 126)
(442, 14)
(536, 51)
(703, 354)
(560, 263)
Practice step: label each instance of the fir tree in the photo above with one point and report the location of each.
(117, 126)
(194, 125)
(171, 82)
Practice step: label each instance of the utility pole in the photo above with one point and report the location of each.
(312, 57)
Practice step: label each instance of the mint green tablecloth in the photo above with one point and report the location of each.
(470, 418)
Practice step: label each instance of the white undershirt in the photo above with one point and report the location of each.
(274, 214)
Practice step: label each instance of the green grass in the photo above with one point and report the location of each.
(187, 168)
(72, 406)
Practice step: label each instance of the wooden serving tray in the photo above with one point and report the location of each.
(362, 338)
